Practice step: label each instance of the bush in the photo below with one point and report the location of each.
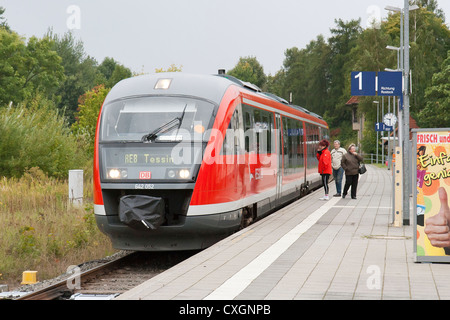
(40, 229)
(37, 135)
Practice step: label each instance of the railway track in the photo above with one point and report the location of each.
(111, 278)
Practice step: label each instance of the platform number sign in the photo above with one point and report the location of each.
(381, 126)
(363, 83)
(368, 83)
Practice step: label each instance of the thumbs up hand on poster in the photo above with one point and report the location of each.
(437, 227)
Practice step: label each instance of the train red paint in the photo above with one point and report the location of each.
(182, 161)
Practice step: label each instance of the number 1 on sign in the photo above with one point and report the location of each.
(359, 77)
(363, 83)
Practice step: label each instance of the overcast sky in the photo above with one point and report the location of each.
(200, 35)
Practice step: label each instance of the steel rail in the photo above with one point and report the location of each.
(58, 289)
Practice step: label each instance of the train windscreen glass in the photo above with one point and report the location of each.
(155, 119)
(153, 138)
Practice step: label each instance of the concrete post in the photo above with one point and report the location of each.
(76, 187)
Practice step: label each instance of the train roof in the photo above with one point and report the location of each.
(206, 86)
(210, 87)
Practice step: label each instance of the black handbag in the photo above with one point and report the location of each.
(362, 168)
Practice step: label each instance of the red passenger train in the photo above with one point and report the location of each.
(182, 161)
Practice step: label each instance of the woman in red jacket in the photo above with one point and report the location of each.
(325, 170)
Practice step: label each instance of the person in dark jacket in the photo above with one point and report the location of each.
(350, 162)
(324, 157)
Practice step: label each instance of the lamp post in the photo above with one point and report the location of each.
(378, 111)
(398, 55)
(399, 114)
(406, 159)
(404, 45)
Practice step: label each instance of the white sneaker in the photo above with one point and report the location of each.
(325, 198)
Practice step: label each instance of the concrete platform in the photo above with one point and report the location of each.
(311, 249)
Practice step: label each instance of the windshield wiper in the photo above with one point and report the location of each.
(164, 128)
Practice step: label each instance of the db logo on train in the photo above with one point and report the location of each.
(145, 175)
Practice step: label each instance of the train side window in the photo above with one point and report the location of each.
(264, 129)
(231, 141)
(312, 138)
(300, 154)
(248, 128)
(258, 130)
(324, 134)
(285, 144)
(293, 145)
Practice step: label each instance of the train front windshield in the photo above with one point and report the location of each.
(153, 138)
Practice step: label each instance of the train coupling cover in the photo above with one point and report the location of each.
(142, 212)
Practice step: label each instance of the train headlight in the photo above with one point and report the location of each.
(163, 84)
(114, 174)
(184, 174)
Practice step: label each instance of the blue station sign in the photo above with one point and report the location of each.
(389, 84)
(368, 83)
(363, 83)
(381, 126)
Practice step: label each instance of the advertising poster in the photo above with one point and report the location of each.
(432, 195)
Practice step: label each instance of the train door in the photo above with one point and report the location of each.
(280, 158)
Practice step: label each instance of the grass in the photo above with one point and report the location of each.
(41, 231)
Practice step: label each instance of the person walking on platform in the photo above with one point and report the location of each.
(350, 162)
(324, 157)
(338, 172)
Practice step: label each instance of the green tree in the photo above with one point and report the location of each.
(307, 78)
(106, 68)
(120, 72)
(80, 71)
(306, 75)
(250, 70)
(343, 39)
(294, 66)
(172, 68)
(317, 76)
(86, 118)
(111, 72)
(3, 23)
(430, 41)
(35, 134)
(27, 68)
(277, 84)
(432, 6)
(42, 66)
(370, 53)
(436, 112)
(12, 49)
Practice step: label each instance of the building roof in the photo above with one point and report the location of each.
(353, 100)
(412, 123)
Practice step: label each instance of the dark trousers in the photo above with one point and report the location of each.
(351, 181)
(325, 179)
